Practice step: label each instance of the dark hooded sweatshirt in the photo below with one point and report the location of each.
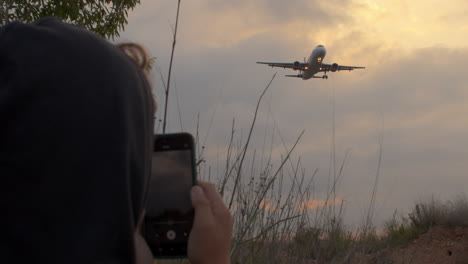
(76, 125)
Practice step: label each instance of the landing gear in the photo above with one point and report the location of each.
(325, 77)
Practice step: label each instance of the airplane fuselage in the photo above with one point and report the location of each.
(315, 61)
(308, 69)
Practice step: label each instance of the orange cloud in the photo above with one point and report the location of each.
(304, 205)
(266, 204)
(313, 204)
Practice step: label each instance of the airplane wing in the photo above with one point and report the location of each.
(296, 65)
(335, 67)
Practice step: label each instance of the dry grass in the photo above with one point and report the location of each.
(424, 216)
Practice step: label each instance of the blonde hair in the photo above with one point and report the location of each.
(138, 54)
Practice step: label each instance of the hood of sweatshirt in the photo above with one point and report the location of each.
(76, 128)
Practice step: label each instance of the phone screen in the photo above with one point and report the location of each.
(169, 211)
(170, 185)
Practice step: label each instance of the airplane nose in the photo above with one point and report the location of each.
(319, 52)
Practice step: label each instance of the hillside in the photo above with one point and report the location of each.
(438, 245)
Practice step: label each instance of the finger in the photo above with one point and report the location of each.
(212, 194)
(202, 206)
(217, 204)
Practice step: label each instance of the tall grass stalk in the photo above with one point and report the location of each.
(244, 151)
(166, 97)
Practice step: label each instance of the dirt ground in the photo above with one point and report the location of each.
(439, 245)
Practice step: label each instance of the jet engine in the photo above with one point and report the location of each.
(334, 67)
(296, 65)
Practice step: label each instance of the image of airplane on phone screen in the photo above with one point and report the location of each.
(313, 66)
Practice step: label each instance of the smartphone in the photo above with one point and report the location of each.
(169, 211)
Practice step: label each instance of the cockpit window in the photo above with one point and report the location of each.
(320, 46)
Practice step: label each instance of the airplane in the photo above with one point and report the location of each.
(313, 66)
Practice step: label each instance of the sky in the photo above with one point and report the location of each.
(411, 96)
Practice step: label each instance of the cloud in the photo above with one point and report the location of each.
(266, 205)
(216, 24)
(314, 204)
(304, 205)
